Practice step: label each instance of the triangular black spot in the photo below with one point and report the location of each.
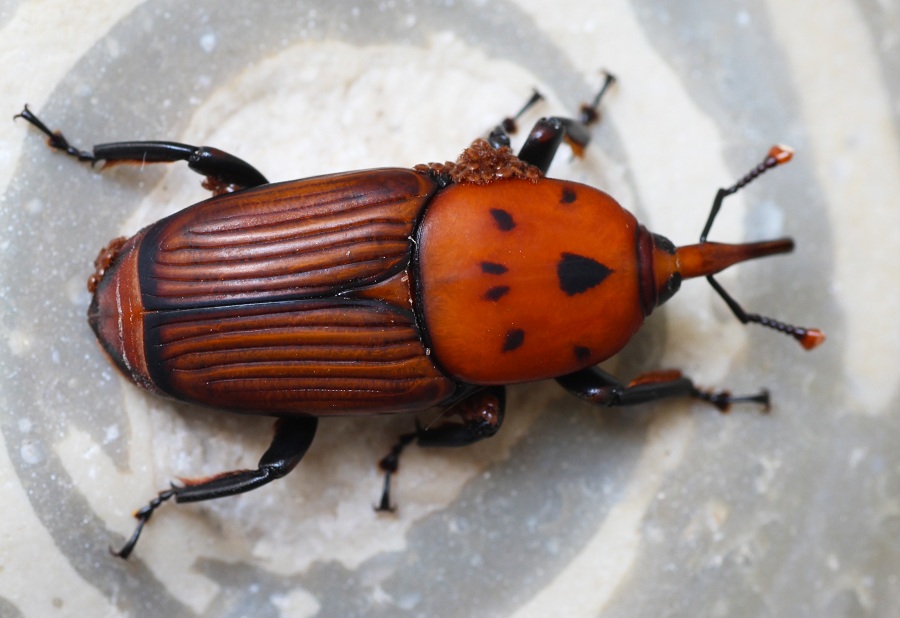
(579, 274)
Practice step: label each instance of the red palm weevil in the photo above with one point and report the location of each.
(393, 290)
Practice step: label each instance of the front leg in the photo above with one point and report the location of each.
(602, 389)
(545, 138)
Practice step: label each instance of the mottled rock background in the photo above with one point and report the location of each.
(667, 510)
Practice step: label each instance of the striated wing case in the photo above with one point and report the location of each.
(299, 239)
(285, 299)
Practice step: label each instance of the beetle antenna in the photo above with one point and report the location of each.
(777, 155)
(809, 338)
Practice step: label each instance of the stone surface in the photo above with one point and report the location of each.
(670, 509)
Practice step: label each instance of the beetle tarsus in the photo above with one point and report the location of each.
(143, 516)
(389, 465)
(55, 139)
(590, 113)
(499, 137)
(605, 390)
(723, 400)
(384, 506)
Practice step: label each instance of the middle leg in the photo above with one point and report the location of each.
(602, 389)
(479, 416)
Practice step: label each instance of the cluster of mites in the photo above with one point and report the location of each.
(104, 260)
(480, 164)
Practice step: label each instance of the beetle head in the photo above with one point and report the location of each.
(671, 265)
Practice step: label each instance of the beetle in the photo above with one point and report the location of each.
(393, 290)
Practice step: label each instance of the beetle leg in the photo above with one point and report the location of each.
(292, 439)
(500, 135)
(548, 133)
(603, 389)
(590, 113)
(389, 465)
(480, 416)
(224, 172)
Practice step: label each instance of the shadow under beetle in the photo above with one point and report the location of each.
(393, 290)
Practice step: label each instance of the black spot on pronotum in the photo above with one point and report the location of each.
(581, 353)
(579, 274)
(496, 293)
(568, 196)
(493, 268)
(503, 219)
(515, 337)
